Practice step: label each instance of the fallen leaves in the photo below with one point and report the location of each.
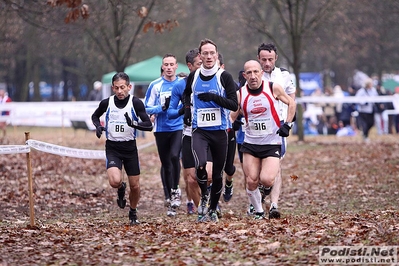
(78, 221)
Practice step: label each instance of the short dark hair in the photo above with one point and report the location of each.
(121, 75)
(221, 60)
(169, 55)
(191, 55)
(268, 47)
(206, 41)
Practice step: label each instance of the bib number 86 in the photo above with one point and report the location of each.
(119, 128)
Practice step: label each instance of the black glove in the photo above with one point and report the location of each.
(207, 96)
(187, 115)
(166, 104)
(99, 131)
(237, 124)
(129, 121)
(181, 111)
(284, 130)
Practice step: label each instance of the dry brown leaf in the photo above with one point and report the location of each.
(294, 177)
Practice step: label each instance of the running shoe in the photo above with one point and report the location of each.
(121, 196)
(218, 211)
(251, 210)
(133, 217)
(204, 205)
(273, 212)
(208, 191)
(166, 202)
(259, 216)
(228, 192)
(190, 208)
(175, 198)
(200, 218)
(264, 191)
(171, 211)
(213, 216)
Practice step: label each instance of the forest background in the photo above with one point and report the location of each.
(76, 42)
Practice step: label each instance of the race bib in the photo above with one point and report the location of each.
(260, 126)
(163, 95)
(209, 117)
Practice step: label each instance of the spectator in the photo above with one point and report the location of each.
(365, 109)
(96, 93)
(4, 99)
(378, 109)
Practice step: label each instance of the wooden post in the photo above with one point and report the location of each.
(30, 183)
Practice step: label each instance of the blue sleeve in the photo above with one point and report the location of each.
(175, 100)
(151, 101)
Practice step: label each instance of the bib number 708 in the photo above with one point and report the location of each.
(208, 117)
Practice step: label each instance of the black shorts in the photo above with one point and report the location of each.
(261, 151)
(123, 152)
(187, 157)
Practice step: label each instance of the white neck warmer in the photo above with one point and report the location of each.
(209, 72)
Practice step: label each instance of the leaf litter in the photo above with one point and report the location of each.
(347, 195)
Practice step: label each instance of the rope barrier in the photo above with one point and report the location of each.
(58, 150)
(53, 149)
(65, 151)
(11, 149)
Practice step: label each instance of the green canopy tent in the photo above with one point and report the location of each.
(145, 71)
(141, 75)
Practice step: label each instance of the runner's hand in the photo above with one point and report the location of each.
(187, 115)
(284, 130)
(129, 121)
(99, 131)
(207, 96)
(237, 124)
(166, 105)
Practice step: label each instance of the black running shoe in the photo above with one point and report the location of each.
(264, 191)
(121, 196)
(274, 213)
(190, 208)
(228, 192)
(133, 217)
(259, 216)
(251, 210)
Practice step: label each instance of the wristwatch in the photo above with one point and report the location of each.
(290, 124)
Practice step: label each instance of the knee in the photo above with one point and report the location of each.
(192, 181)
(252, 183)
(115, 183)
(175, 158)
(134, 184)
(201, 173)
(268, 181)
(230, 170)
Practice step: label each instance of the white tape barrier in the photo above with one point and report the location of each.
(58, 150)
(65, 151)
(11, 149)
